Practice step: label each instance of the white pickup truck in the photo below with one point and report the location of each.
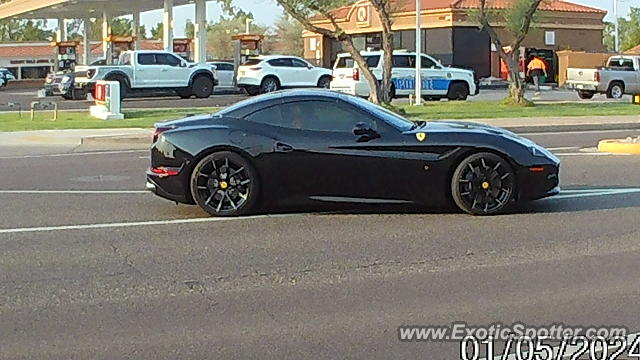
(152, 71)
(620, 76)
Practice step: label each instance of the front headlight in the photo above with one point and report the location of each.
(539, 151)
(66, 79)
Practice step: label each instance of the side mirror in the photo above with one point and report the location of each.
(310, 67)
(365, 132)
(183, 64)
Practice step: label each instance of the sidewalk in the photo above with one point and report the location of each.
(100, 139)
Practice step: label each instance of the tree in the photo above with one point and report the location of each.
(383, 8)
(517, 20)
(288, 31)
(24, 30)
(304, 10)
(629, 32)
(219, 34)
(189, 29)
(157, 31)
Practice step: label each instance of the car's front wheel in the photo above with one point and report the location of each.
(225, 184)
(325, 82)
(458, 91)
(202, 87)
(483, 184)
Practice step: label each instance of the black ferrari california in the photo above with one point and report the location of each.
(307, 146)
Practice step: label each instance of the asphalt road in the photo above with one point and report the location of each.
(25, 97)
(125, 275)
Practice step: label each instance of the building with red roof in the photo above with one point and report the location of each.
(450, 35)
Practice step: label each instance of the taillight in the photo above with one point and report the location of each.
(163, 171)
(257, 68)
(158, 132)
(596, 76)
(91, 73)
(356, 74)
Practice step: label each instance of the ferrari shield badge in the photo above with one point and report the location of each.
(421, 136)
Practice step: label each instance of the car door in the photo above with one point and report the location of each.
(225, 74)
(325, 161)
(306, 74)
(146, 71)
(435, 80)
(173, 70)
(403, 74)
(284, 70)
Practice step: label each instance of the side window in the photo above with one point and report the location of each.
(402, 61)
(225, 67)
(427, 63)
(321, 116)
(268, 116)
(168, 59)
(299, 63)
(146, 59)
(281, 63)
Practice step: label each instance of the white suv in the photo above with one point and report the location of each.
(265, 74)
(438, 81)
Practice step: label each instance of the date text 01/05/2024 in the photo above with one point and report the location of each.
(525, 348)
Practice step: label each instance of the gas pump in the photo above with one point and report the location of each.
(119, 44)
(66, 55)
(245, 46)
(182, 47)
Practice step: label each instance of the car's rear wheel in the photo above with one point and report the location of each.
(269, 84)
(616, 90)
(483, 184)
(324, 82)
(252, 90)
(202, 87)
(225, 184)
(586, 95)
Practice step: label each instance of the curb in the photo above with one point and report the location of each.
(116, 140)
(622, 146)
(571, 128)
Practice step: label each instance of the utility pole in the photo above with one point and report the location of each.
(617, 26)
(418, 52)
(248, 25)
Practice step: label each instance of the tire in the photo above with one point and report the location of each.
(432, 98)
(78, 95)
(202, 87)
(458, 92)
(184, 93)
(325, 82)
(586, 95)
(269, 84)
(616, 90)
(483, 184)
(225, 184)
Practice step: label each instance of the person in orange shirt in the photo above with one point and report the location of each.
(536, 69)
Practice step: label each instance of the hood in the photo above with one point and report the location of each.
(470, 127)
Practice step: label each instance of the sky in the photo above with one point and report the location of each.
(266, 12)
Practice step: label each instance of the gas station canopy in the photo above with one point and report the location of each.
(69, 9)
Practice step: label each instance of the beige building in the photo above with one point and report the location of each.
(451, 36)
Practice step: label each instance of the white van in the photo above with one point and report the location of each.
(438, 81)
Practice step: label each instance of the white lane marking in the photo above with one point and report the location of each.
(578, 132)
(88, 153)
(569, 351)
(563, 148)
(71, 192)
(590, 154)
(575, 194)
(136, 224)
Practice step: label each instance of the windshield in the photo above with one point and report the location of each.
(347, 62)
(380, 112)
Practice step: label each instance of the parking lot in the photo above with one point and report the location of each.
(93, 267)
(25, 97)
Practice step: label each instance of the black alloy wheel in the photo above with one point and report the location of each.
(202, 87)
(224, 184)
(483, 184)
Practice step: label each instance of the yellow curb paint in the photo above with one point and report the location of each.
(619, 147)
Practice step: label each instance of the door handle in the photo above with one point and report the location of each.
(284, 148)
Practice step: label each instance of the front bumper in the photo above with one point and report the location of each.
(539, 184)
